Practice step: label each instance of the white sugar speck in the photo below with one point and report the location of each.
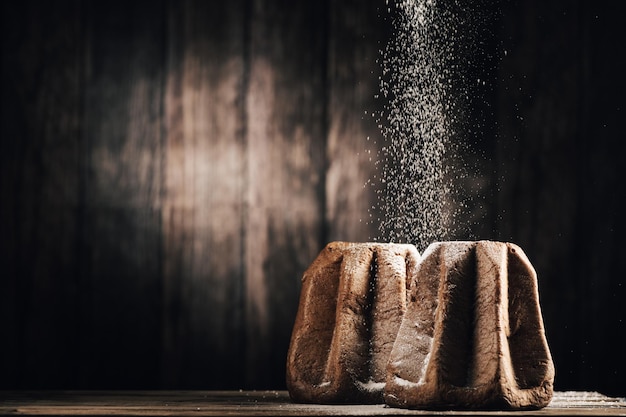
(426, 89)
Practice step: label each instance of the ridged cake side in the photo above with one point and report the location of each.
(473, 335)
(352, 301)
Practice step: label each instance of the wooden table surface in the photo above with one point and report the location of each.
(252, 403)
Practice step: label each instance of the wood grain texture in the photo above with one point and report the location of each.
(257, 403)
(356, 35)
(559, 101)
(204, 194)
(284, 191)
(169, 169)
(40, 181)
(123, 186)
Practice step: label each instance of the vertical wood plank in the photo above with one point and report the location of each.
(203, 209)
(357, 33)
(139, 247)
(602, 325)
(559, 106)
(123, 106)
(285, 150)
(39, 193)
(538, 156)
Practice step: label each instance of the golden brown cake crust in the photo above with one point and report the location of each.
(473, 335)
(352, 300)
(459, 328)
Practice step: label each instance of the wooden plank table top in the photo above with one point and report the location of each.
(253, 403)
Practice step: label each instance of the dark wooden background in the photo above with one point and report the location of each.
(169, 169)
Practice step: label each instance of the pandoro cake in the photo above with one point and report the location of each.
(352, 301)
(472, 336)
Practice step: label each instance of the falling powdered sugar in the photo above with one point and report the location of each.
(424, 85)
